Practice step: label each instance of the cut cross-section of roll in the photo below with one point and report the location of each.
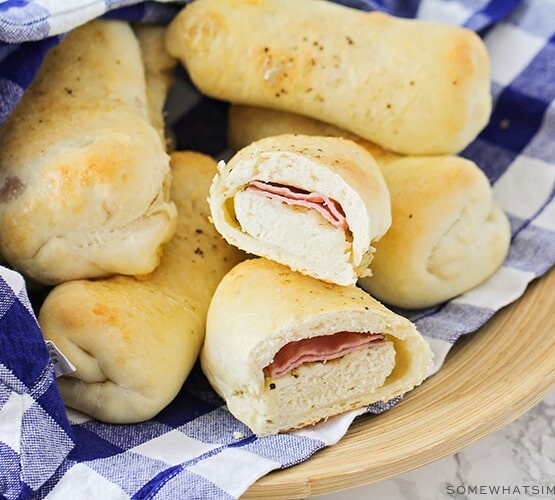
(285, 350)
(315, 204)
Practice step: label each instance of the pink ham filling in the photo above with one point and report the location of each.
(321, 348)
(325, 206)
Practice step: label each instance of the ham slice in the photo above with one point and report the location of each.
(320, 348)
(325, 206)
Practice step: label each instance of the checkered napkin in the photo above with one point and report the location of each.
(194, 448)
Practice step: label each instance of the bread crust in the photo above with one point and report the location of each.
(411, 86)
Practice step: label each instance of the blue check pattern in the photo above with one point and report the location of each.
(194, 448)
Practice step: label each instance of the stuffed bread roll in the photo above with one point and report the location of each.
(315, 204)
(448, 232)
(285, 350)
(134, 341)
(84, 175)
(410, 86)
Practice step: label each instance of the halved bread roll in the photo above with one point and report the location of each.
(315, 204)
(134, 341)
(410, 86)
(285, 350)
(448, 232)
(84, 175)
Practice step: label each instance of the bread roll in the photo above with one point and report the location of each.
(134, 341)
(248, 124)
(410, 86)
(448, 232)
(258, 356)
(315, 204)
(84, 176)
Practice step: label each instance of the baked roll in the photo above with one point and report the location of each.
(315, 204)
(84, 175)
(410, 86)
(134, 341)
(286, 350)
(159, 73)
(448, 233)
(246, 124)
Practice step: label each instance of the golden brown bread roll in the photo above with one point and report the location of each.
(134, 341)
(84, 175)
(286, 350)
(315, 204)
(410, 86)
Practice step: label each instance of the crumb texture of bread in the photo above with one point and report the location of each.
(315, 391)
(281, 226)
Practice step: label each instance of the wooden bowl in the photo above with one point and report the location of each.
(490, 377)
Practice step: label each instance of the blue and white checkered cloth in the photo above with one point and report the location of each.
(194, 448)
